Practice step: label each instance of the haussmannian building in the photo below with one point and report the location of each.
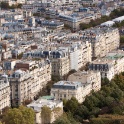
(103, 40)
(4, 92)
(29, 78)
(60, 63)
(87, 77)
(110, 65)
(67, 89)
(80, 55)
(79, 85)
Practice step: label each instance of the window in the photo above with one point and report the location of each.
(64, 95)
(105, 74)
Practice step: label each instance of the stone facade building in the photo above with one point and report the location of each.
(103, 40)
(28, 80)
(4, 92)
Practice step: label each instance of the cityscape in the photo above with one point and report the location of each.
(61, 62)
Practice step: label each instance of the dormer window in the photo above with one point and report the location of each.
(16, 76)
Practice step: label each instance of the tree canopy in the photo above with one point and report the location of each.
(21, 115)
(114, 14)
(5, 5)
(46, 115)
(110, 99)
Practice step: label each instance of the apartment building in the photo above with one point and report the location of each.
(9, 64)
(80, 54)
(87, 77)
(49, 102)
(32, 7)
(90, 2)
(60, 63)
(20, 29)
(5, 50)
(4, 92)
(107, 37)
(105, 66)
(67, 90)
(28, 79)
(118, 57)
(72, 21)
(59, 60)
(79, 85)
(110, 65)
(52, 24)
(66, 56)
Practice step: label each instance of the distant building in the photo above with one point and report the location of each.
(53, 24)
(72, 21)
(90, 2)
(9, 64)
(102, 40)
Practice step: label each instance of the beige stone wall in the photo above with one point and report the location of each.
(4, 97)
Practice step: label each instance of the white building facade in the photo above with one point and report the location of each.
(4, 92)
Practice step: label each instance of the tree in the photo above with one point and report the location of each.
(117, 94)
(105, 81)
(27, 114)
(122, 39)
(36, 14)
(71, 105)
(19, 5)
(62, 120)
(46, 115)
(13, 6)
(20, 55)
(49, 86)
(95, 111)
(21, 115)
(55, 78)
(69, 73)
(82, 112)
(4, 5)
(66, 118)
(118, 109)
(109, 100)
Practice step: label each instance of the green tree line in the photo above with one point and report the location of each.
(109, 100)
(114, 14)
(5, 5)
(21, 115)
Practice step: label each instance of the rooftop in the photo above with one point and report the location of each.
(114, 55)
(38, 104)
(83, 73)
(102, 61)
(71, 85)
